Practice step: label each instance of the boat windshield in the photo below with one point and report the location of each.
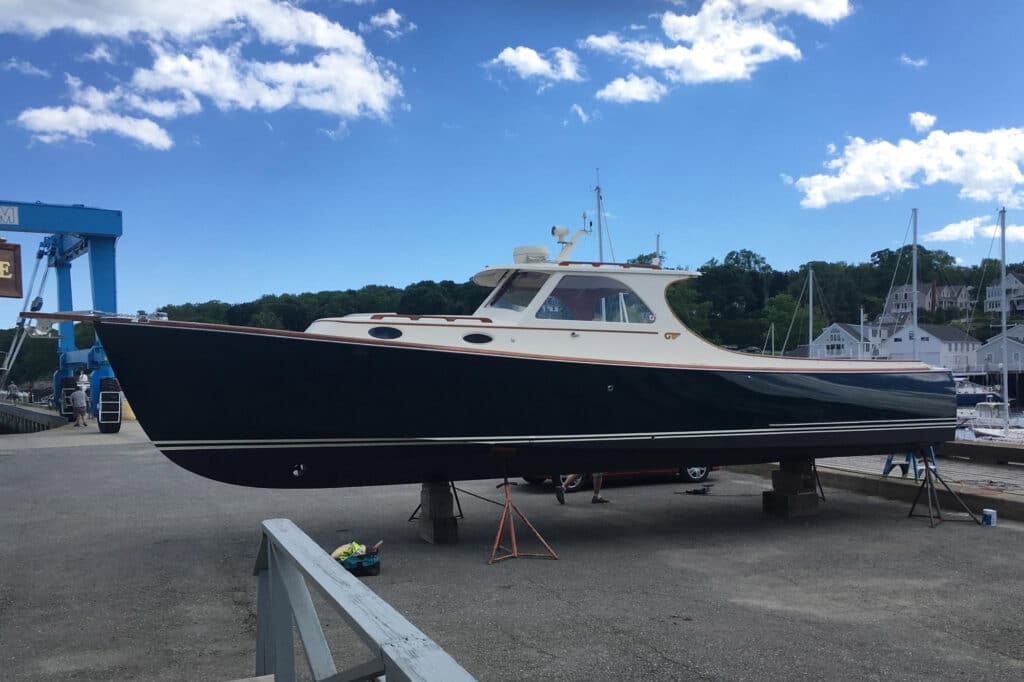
(518, 290)
(594, 298)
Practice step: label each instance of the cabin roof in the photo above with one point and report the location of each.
(489, 276)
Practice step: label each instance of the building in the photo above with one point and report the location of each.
(940, 345)
(841, 340)
(990, 353)
(901, 301)
(1014, 294)
(952, 297)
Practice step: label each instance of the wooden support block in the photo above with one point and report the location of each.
(790, 506)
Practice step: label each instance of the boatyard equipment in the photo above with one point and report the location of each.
(287, 559)
(931, 474)
(508, 521)
(72, 231)
(918, 459)
(455, 495)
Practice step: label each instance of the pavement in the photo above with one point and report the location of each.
(116, 564)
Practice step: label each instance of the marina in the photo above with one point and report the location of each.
(351, 341)
(120, 565)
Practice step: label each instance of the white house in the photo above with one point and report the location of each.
(841, 340)
(990, 354)
(1014, 294)
(901, 300)
(952, 297)
(940, 345)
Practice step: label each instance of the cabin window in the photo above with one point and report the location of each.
(385, 332)
(477, 338)
(518, 290)
(594, 298)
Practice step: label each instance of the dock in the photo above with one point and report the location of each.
(116, 564)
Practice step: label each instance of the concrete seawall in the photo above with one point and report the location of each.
(15, 419)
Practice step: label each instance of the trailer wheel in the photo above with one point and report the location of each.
(66, 382)
(109, 385)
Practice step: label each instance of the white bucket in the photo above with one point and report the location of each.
(989, 517)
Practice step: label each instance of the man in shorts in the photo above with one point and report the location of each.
(598, 479)
(78, 403)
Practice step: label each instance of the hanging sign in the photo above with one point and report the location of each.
(10, 270)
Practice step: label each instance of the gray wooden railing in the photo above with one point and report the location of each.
(287, 559)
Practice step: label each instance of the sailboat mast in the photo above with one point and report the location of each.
(1003, 305)
(600, 211)
(913, 280)
(860, 346)
(810, 310)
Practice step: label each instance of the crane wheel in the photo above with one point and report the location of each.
(106, 385)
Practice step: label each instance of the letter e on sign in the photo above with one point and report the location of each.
(10, 270)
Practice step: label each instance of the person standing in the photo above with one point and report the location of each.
(78, 405)
(597, 478)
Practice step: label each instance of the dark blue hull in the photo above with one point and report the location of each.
(281, 410)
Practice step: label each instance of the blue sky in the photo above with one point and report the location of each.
(257, 147)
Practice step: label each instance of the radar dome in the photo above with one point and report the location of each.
(530, 254)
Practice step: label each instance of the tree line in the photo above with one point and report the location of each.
(732, 303)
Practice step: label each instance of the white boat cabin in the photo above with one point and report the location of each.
(573, 311)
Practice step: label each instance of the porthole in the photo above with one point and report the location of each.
(477, 338)
(385, 332)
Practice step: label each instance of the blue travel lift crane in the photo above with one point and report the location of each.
(72, 231)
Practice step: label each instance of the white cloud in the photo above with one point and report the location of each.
(786, 178)
(100, 53)
(55, 124)
(578, 110)
(954, 232)
(107, 100)
(393, 24)
(636, 27)
(922, 121)
(526, 62)
(965, 231)
(197, 48)
(986, 166)
(24, 68)
(334, 82)
(273, 21)
(632, 88)
(726, 40)
(824, 11)
(830, 149)
(915, 63)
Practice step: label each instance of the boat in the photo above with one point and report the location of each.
(969, 393)
(565, 366)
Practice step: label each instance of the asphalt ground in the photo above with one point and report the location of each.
(116, 564)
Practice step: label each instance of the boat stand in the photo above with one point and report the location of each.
(934, 515)
(458, 505)
(817, 479)
(508, 520)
